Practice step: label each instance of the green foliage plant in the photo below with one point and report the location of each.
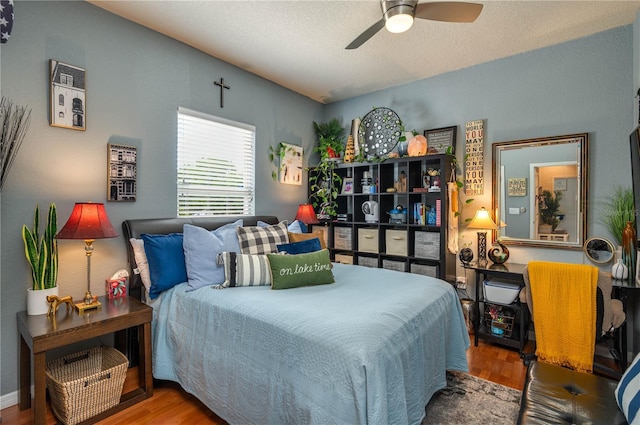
(619, 209)
(330, 137)
(324, 186)
(458, 172)
(279, 152)
(549, 215)
(42, 252)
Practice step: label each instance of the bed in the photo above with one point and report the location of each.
(371, 348)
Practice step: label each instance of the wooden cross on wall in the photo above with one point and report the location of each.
(222, 87)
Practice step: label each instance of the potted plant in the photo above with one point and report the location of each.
(324, 184)
(42, 255)
(330, 137)
(619, 209)
(549, 210)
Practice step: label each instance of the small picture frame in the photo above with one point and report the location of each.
(68, 98)
(347, 185)
(439, 140)
(559, 184)
(517, 186)
(122, 172)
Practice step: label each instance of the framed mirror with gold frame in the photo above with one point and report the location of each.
(540, 191)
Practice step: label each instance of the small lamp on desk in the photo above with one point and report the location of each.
(88, 221)
(306, 215)
(483, 222)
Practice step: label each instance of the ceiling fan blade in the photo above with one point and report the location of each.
(362, 38)
(449, 11)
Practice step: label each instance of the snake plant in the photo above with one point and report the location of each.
(42, 252)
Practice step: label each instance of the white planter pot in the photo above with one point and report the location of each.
(37, 300)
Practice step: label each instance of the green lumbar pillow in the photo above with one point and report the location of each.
(291, 271)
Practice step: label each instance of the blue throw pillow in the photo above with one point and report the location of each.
(628, 392)
(302, 247)
(166, 261)
(201, 249)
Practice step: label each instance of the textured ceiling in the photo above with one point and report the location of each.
(301, 44)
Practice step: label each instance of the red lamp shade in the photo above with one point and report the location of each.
(306, 214)
(88, 221)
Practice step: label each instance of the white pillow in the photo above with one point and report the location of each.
(142, 266)
(628, 392)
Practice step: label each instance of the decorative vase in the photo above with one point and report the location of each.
(499, 255)
(349, 151)
(629, 248)
(37, 300)
(619, 270)
(465, 255)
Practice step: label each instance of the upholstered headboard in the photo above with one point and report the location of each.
(135, 228)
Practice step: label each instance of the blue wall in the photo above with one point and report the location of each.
(580, 86)
(137, 78)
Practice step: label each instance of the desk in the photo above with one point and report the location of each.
(38, 334)
(621, 290)
(511, 272)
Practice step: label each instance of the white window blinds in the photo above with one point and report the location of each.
(216, 166)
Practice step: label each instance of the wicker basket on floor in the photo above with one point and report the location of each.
(86, 384)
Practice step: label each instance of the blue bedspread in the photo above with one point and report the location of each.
(371, 348)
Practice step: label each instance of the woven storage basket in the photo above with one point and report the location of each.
(86, 384)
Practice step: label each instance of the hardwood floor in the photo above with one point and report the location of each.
(171, 405)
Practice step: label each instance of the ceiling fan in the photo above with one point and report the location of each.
(398, 15)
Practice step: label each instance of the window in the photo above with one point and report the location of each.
(66, 79)
(61, 100)
(216, 166)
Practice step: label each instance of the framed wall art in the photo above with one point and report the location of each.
(68, 97)
(290, 164)
(121, 173)
(517, 187)
(439, 139)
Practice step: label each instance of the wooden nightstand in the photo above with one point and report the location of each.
(39, 334)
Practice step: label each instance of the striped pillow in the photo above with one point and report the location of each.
(628, 392)
(244, 270)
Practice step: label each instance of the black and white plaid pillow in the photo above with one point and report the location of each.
(244, 270)
(262, 240)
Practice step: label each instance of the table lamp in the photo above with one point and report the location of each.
(306, 215)
(88, 221)
(483, 222)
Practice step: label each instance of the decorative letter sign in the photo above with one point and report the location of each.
(474, 152)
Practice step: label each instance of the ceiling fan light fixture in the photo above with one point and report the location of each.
(398, 15)
(399, 23)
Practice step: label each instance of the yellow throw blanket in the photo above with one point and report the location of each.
(564, 312)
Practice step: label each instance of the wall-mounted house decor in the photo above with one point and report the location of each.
(474, 154)
(121, 173)
(68, 101)
(439, 139)
(291, 164)
(517, 186)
